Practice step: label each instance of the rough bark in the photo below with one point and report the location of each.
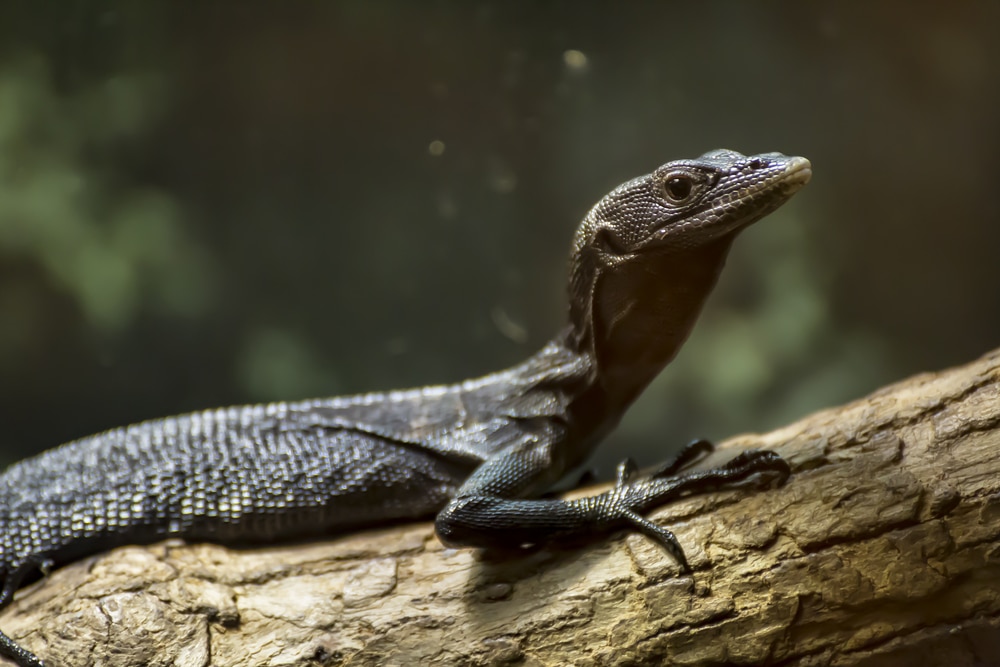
(883, 549)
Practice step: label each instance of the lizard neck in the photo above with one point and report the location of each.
(626, 324)
(632, 319)
(643, 262)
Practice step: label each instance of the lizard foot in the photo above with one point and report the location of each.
(625, 504)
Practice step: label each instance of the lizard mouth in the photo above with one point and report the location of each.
(797, 174)
(770, 191)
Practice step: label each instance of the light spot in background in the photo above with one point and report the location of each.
(575, 60)
(508, 327)
(502, 178)
(436, 148)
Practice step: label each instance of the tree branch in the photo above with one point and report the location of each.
(883, 548)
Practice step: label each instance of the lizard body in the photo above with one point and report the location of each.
(478, 454)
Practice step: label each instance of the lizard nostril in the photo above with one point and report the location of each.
(756, 163)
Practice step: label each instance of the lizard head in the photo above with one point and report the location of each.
(687, 203)
(647, 255)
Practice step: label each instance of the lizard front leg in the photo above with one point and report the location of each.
(487, 513)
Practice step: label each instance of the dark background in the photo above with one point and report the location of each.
(213, 203)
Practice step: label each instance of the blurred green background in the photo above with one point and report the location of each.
(213, 203)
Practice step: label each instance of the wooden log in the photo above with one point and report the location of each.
(882, 549)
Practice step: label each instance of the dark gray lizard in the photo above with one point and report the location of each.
(477, 454)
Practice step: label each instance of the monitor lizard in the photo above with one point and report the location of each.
(478, 455)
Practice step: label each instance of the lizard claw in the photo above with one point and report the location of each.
(630, 498)
(769, 468)
(625, 471)
(658, 534)
(694, 451)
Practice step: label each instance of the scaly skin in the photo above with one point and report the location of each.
(478, 454)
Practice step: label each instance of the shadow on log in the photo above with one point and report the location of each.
(883, 549)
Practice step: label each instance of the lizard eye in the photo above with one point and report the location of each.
(678, 188)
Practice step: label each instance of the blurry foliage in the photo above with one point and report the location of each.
(216, 203)
(115, 248)
(277, 363)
